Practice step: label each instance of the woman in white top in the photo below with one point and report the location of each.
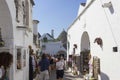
(59, 69)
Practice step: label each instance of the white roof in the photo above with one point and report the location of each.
(49, 37)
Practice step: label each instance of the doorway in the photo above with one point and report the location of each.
(85, 53)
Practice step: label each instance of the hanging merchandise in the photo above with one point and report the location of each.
(75, 45)
(99, 41)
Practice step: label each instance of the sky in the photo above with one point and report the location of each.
(55, 14)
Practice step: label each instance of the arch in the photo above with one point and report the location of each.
(85, 53)
(6, 22)
(85, 42)
(6, 26)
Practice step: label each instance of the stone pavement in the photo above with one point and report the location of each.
(68, 76)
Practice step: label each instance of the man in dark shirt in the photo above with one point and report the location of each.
(44, 67)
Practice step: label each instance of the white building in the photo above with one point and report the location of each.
(17, 33)
(97, 28)
(52, 47)
(36, 41)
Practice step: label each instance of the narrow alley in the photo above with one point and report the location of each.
(80, 36)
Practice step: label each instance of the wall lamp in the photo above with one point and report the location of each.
(107, 5)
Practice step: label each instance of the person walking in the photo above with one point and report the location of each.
(51, 63)
(44, 65)
(30, 63)
(59, 69)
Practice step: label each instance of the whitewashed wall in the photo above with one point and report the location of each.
(24, 38)
(100, 22)
(35, 32)
(16, 37)
(7, 25)
(35, 26)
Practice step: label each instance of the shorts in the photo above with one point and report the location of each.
(44, 75)
(59, 74)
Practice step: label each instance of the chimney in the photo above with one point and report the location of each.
(52, 33)
(83, 4)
